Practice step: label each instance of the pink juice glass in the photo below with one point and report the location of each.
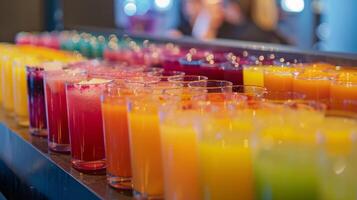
(86, 124)
(56, 106)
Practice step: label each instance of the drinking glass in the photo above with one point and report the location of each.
(144, 134)
(179, 151)
(216, 90)
(56, 106)
(285, 155)
(279, 78)
(343, 95)
(86, 125)
(314, 84)
(115, 124)
(253, 75)
(7, 83)
(225, 153)
(36, 100)
(337, 163)
(20, 88)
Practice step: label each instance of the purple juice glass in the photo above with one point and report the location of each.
(36, 101)
(86, 124)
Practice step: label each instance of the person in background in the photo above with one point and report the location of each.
(249, 20)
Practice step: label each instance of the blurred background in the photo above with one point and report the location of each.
(326, 25)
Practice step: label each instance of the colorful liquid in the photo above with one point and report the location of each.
(180, 165)
(145, 148)
(20, 92)
(117, 142)
(253, 75)
(56, 108)
(36, 101)
(86, 127)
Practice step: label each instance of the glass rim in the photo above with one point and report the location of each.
(88, 83)
(228, 84)
(177, 78)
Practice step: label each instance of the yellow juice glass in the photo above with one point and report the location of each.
(7, 83)
(20, 88)
(179, 154)
(225, 157)
(253, 75)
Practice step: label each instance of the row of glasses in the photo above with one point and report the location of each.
(14, 89)
(269, 150)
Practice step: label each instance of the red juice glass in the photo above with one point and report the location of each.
(233, 72)
(36, 101)
(56, 106)
(86, 124)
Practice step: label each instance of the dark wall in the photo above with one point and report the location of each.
(99, 13)
(20, 15)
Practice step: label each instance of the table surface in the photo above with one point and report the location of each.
(35, 151)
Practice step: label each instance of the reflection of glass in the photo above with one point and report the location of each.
(56, 106)
(85, 124)
(145, 147)
(36, 101)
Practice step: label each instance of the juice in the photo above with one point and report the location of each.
(225, 158)
(56, 107)
(20, 89)
(36, 101)
(7, 83)
(146, 159)
(85, 124)
(338, 176)
(315, 85)
(179, 154)
(253, 75)
(272, 169)
(278, 79)
(343, 93)
(226, 171)
(286, 150)
(117, 142)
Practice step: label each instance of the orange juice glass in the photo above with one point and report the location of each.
(314, 84)
(115, 125)
(343, 92)
(278, 78)
(145, 143)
